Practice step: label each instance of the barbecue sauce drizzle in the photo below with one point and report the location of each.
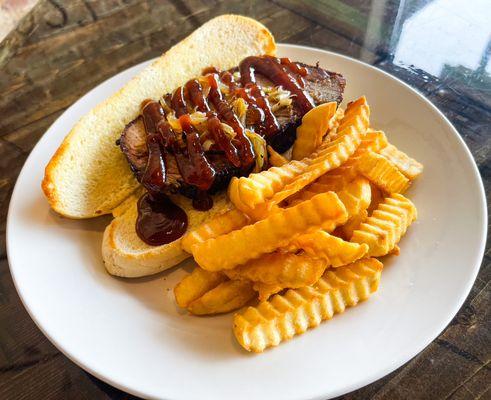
(226, 113)
(278, 73)
(160, 221)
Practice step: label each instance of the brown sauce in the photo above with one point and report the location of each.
(226, 114)
(168, 137)
(222, 140)
(299, 72)
(255, 116)
(210, 70)
(178, 103)
(196, 95)
(153, 178)
(203, 201)
(294, 67)
(160, 221)
(196, 170)
(273, 69)
(229, 80)
(268, 124)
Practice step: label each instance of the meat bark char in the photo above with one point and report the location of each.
(134, 146)
(323, 86)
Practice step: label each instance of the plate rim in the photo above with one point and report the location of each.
(369, 378)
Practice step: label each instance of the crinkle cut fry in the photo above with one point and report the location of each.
(337, 178)
(324, 211)
(307, 193)
(219, 225)
(276, 159)
(285, 316)
(195, 285)
(409, 167)
(315, 125)
(386, 226)
(378, 196)
(258, 188)
(341, 187)
(346, 231)
(316, 188)
(332, 156)
(265, 291)
(333, 126)
(344, 148)
(282, 268)
(335, 250)
(382, 173)
(352, 131)
(340, 177)
(227, 296)
(356, 197)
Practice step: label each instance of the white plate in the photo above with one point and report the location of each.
(130, 333)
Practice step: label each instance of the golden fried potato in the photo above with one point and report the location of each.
(382, 173)
(278, 183)
(324, 211)
(285, 316)
(265, 291)
(307, 193)
(334, 250)
(275, 158)
(405, 164)
(395, 251)
(339, 177)
(286, 269)
(356, 196)
(346, 231)
(334, 124)
(377, 198)
(315, 188)
(312, 130)
(374, 141)
(196, 285)
(225, 297)
(219, 225)
(386, 226)
(304, 233)
(335, 154)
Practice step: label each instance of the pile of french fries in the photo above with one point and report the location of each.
(302, 241)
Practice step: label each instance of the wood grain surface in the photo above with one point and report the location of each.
(62, 49)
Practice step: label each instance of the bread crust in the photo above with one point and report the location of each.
(123, 252)
(88, 175)
(128, 265)
(125, 255)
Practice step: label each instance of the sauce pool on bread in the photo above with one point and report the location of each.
(214, 127)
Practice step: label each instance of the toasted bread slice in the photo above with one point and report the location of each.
(88, 175)
(125, 254)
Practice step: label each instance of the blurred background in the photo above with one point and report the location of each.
(11, 12)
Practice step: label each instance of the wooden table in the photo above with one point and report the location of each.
(64, 48)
